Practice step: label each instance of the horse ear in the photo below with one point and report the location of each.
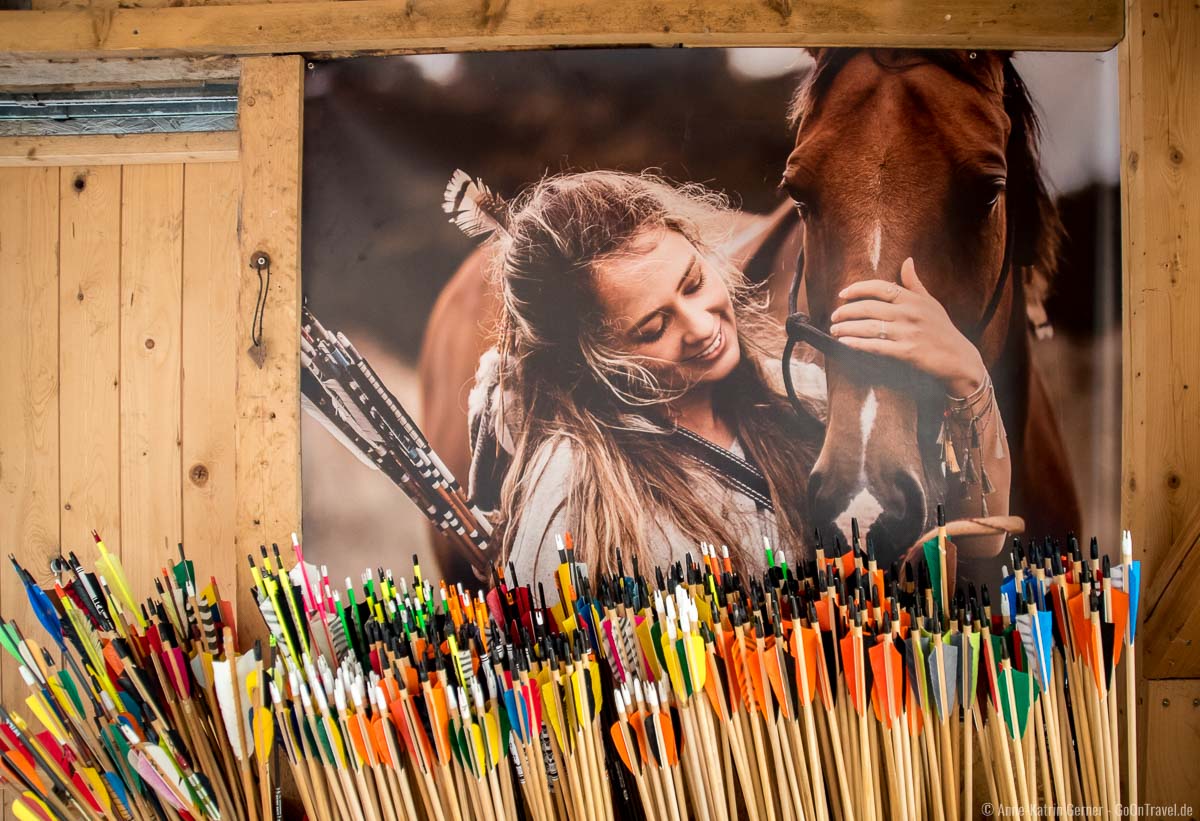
(815, 53)
(473, 207)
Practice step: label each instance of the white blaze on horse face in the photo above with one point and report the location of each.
(865, 508)
(876, 245)
(866, 419)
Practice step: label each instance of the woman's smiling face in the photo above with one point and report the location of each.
(665, 301)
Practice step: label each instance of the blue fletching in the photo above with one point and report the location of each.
(130, 706)
(1133, 587)
(43, 608)
(514, 717)
(118, 789)
(1008, 589)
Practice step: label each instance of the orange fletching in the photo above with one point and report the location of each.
(667, 737)
(1120, 613)
(735, 666)
(638, 723)
(1081, 628)
(823, 615)
(712, 682)
(379, 742)
(850, 666)
(360, 743)
(771, 662)
(619, 742)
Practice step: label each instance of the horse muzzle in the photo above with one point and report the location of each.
(870, 467)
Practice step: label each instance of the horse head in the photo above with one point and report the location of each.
(929, 155)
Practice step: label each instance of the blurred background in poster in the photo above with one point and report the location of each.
(383, 135)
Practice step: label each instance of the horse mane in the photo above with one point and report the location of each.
(1038, 231)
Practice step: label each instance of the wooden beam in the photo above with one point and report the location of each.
(267, 461)
(27, 76)
(390, 26)
(120, 149)
(1160, 208)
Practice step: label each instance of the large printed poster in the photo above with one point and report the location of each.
(754, 299)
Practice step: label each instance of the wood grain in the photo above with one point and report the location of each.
(151, 265)
(1160, 79)
(209, 390)
(268, 397)
(1173, 728)
(120, 149)
(29, 400)
(72, 74)
(384, 26)
(89, 355)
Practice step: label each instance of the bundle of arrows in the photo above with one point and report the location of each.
(341, 390)
(827, 688)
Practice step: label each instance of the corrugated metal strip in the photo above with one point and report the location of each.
(131, 111)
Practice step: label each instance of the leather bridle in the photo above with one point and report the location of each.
(874, 368)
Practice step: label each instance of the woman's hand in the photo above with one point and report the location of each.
(906, 323)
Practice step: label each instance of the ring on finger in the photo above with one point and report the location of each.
(882, 329)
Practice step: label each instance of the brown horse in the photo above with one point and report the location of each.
(931, 155)
(925, 154)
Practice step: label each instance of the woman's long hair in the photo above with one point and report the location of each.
(564, 379)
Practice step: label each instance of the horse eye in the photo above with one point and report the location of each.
(801, 200)
(799, 195)
(993, 188)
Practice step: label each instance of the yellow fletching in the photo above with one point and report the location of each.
(550, 708)
(697, 661)
(112, 571)
(646, 640)
(477, 745)
(565, 622)
(492, 730)
(62, 698)
(22, 811)
(594, 669)
(564, 583)
(264, 733)
(582, 713)
(38, 706)
(99, 788)
(462, 679)
(673, 668)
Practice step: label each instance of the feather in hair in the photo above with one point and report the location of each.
(473, 207)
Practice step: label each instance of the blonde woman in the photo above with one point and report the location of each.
(634, 394)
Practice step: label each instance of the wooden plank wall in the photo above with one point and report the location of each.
(1160, 138)
(118, 287)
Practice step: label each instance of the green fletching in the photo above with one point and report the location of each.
(184, 572)
(8, 637)
(656, 633)
(1015, 691)
(973, 687)
(68, 684)
(933, 559)
(505, 725)
(683, 665)
(326, 746)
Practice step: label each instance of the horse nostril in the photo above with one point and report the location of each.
(814, 486)
(911, 498)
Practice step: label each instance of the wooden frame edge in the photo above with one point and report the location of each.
(392, 26)
(267, 453)
(120, 149)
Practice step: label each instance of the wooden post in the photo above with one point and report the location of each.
(270, 122)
